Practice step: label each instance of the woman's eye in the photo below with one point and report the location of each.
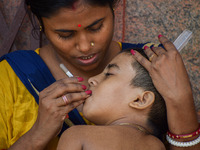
(65, 36)
(95, 29)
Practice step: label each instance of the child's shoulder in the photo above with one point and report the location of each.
(72, 138)
(82, 131)
(90, 137)
(85, 129)
(108, 137)
(152, 142)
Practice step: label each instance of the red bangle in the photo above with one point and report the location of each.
(184, 136)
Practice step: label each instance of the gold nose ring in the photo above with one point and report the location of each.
(92, 44)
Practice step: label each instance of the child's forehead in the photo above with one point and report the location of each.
(123, 60)
(123, 57)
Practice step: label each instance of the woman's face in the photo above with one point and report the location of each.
(111, 91)
(71, 32)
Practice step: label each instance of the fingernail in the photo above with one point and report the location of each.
(160, 35)
(132, 52)
(89, 92)
(83, 87)
(146, 47)
(80, 79)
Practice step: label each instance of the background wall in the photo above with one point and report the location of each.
(140, 21)
(136, 21)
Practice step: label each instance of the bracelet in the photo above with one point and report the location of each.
(182, 144)
(184, 136)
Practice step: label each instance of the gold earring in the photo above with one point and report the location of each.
(40, 28)
(92, 44)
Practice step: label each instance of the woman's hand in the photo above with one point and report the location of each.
(55, 102)
(167, 71)
(170, 78)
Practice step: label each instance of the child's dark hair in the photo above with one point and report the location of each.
(157, 117)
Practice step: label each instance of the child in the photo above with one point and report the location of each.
(128, 111)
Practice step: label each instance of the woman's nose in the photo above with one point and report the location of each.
(83, 43)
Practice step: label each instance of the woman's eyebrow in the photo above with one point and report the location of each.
(94, 23)
(63, 30)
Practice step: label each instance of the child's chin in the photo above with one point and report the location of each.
(87, 113)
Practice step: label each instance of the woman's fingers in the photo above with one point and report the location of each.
(64, 82)
(156, 53)
(61, 87)
(63, 93)
(167, 69)
(150, 54)
(168, 45)
(71, 98)
(158, 50)
(141, 59)
(67, 108)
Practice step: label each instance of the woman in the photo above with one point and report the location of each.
(34, 105)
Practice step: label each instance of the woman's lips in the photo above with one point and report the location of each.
(87, 60)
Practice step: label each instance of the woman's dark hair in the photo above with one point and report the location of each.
(46, 8)
(157, 117)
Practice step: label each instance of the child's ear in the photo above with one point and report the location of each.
(143, 101)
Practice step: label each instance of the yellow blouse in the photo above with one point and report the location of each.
(18, 108)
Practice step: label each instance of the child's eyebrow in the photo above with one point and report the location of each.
(112, 66)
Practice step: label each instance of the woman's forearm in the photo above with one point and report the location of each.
(30, 141)
(182, 119)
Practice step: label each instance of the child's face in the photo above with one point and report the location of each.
(111, 91)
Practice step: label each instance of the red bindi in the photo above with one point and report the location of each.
(79, 25)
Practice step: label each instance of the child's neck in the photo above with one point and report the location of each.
(140, 122)
(136, 126)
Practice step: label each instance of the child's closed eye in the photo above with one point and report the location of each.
(108, 74)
